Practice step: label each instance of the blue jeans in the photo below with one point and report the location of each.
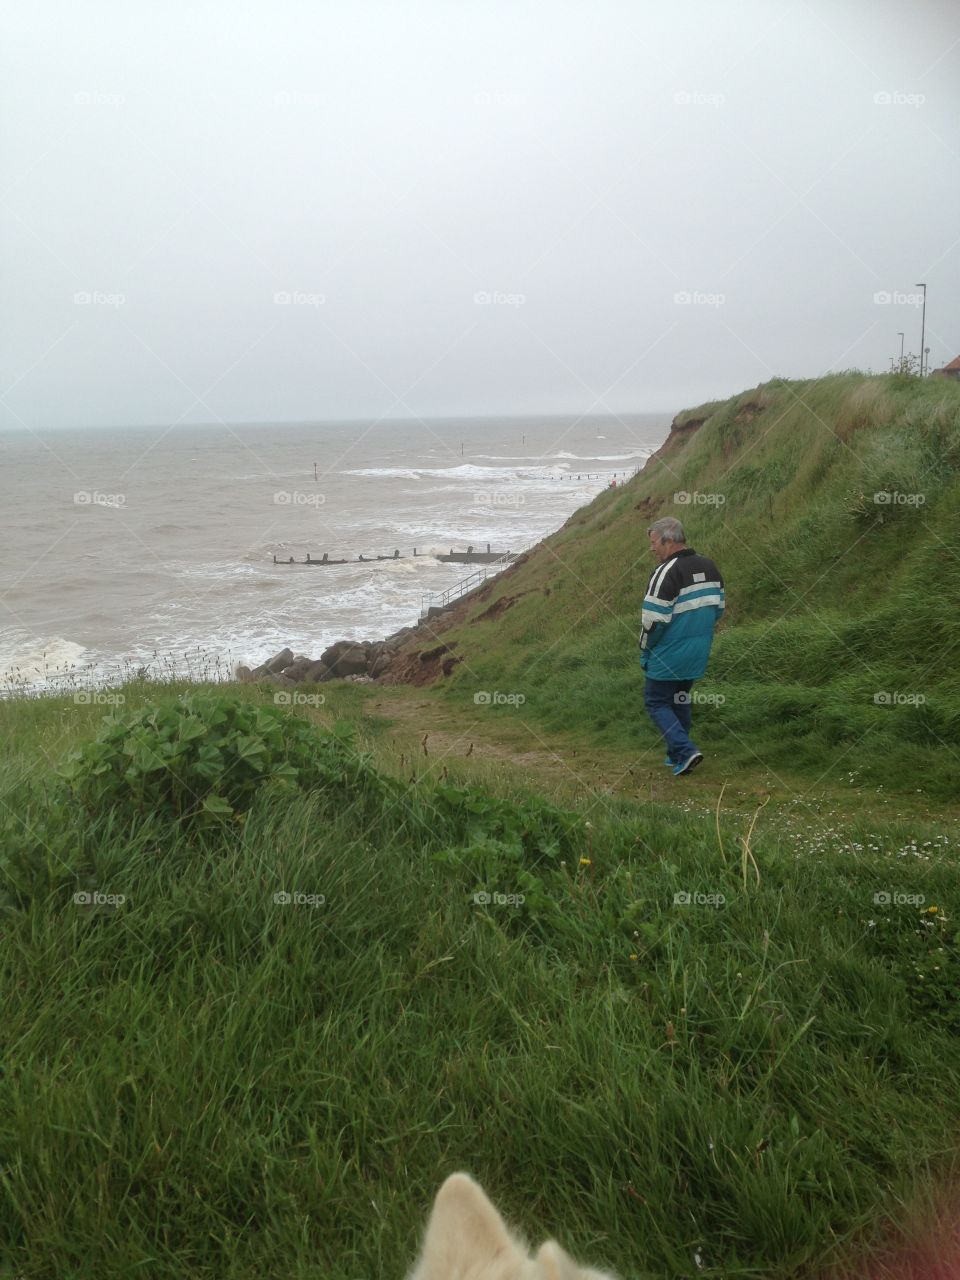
(668, 703)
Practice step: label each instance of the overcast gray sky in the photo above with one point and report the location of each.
(282, 211)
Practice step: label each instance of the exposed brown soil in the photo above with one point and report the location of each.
(421, 658)
(747, 412)
(500, 607)
(679, 435)
(648, 507)
(420, 666)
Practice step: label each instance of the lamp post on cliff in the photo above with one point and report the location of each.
(923, 321)
(900, 335)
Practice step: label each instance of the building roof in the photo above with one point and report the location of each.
(953, 366)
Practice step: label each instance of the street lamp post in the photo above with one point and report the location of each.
(923, 322)
(900, 335)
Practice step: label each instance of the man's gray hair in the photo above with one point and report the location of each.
(668, 529)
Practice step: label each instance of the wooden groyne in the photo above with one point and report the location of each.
(470, 556)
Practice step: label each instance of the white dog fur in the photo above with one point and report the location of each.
(466, 1239)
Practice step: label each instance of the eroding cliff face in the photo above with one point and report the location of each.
(680, 433)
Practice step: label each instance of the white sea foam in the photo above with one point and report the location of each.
(463, 471)
(32, 659)
(394, 473)
(603, 457)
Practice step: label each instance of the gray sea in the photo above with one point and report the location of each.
(124, 548)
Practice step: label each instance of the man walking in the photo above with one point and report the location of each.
(684, 600)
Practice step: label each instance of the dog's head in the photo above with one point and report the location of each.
(466, 1239)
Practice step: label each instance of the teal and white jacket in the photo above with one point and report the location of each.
(683, 603)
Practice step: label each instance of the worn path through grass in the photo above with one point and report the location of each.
(507, 741)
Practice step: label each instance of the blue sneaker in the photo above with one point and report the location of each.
(691, 762)
(668, 761)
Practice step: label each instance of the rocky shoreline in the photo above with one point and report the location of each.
(357, 660)
(400, 657)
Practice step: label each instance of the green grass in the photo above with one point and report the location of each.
(839, 647)
(206, 1082)
(202, 1080)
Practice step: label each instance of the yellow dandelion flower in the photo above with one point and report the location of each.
(585, 862)
(932, 911)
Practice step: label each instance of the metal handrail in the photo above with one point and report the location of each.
(439, 599)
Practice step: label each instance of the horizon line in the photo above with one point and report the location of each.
(304, 422)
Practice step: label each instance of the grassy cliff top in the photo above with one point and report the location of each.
(831, 506)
